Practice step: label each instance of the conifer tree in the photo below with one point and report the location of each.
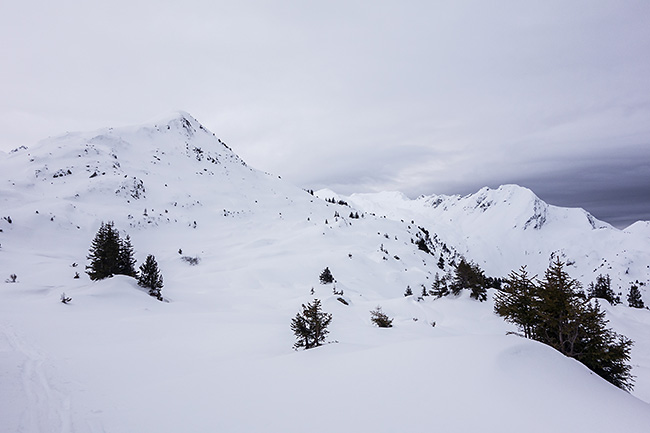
(515, 302)
(602, 288)
(555, 313)
(408, 291)
(104, 253)
(125, 261)
(439, 286)
(310, 325)
(379, 318)
(109, 254)
(422, 245)
(469, 276)
(602, 350)
(326, 276)
(150, 277)
(558, 306)
(634, 297)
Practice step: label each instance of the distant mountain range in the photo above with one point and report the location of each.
(504, 228)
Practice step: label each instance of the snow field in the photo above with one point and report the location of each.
(217, 356)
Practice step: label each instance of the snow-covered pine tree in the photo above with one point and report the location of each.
(150, 277)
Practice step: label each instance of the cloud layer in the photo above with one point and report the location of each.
(423, 97)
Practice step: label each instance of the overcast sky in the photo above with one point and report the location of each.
(425, 97)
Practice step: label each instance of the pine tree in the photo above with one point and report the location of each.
(439, 286)
(310, 325)
(65, 299)
(602, 288)
(634, 297)
(326, 276)
(150, 277)
(125, 261)
(408, 291)
(104, 253)
(555, 313)
(422, 245)
(380, 318)
(558, 307)
(469, 276)
(602, 350)
(515, 302)
(109, 254)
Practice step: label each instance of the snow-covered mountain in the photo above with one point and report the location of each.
(217, 356)
(504, 228)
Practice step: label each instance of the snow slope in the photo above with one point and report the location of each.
(217, 356)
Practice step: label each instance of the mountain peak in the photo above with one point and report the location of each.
(181, 121)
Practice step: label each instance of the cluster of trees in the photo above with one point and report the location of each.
(555, 311)
(602, 289)
(111, 255)
(310, 324)
(467, 275)
(334, 201)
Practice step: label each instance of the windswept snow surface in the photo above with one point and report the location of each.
(217, 356)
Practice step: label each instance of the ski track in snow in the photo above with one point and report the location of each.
(48, 409)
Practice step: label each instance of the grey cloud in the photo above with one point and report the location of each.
(424, 97)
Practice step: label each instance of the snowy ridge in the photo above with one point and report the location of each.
(217, 356)
(502, 229)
